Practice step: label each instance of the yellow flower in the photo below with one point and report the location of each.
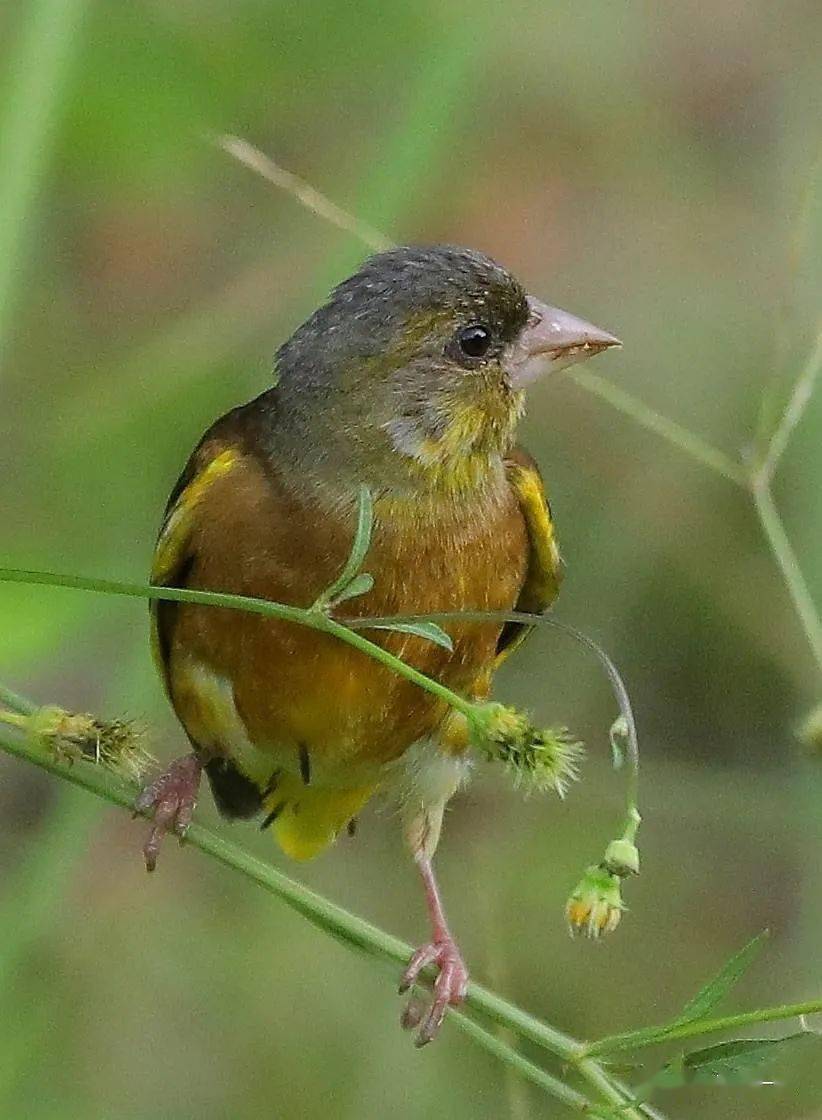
(595, 907)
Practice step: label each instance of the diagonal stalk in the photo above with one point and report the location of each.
(797, 403)
(785, 557)
(358, 934)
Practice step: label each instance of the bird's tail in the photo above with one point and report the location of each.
(306, 819)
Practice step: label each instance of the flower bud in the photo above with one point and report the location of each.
(622, 858)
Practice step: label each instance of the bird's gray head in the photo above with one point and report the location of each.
(423, 355)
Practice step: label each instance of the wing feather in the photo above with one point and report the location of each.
(173, 554)
(545, 566)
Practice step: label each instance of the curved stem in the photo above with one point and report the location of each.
(365, 622)
(345, 630)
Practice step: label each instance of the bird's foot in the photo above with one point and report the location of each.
(450, 987)
(169, 801)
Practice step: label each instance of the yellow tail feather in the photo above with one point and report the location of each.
(308, 818)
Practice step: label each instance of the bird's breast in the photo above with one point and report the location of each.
(296, 690)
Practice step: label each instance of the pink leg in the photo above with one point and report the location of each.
(451, 983)
(170, 801)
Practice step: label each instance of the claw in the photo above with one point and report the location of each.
(450, 987)
(170, 800)
(424, 956)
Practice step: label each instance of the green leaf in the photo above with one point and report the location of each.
(362, 542)
(715, 990)
(359, 585)
(697, 1008)
(726, 1063)
(428, 630)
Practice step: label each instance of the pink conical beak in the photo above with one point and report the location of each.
(551, 340)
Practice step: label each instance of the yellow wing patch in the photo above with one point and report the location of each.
(545, 564)
(545, 567)
(174, 535)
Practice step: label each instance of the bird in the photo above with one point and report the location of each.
(409, 380)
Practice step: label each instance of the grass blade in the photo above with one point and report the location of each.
(42, 58)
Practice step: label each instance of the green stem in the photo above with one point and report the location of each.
(797, 403)
(633, 1040)
(789, 566)
(687, 441)
(13, 719)
(359, 934)
(330, 626)
(316, 620)
(531, 1072)
(319, 620)
(16, 703)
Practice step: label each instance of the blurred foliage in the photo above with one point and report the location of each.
(652, 167)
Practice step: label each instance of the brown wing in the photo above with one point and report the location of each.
(545, 567)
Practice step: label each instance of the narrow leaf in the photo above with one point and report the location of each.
(359, 585)
(716, 989)
(359, 548)
(428, 630)
(727, 1063)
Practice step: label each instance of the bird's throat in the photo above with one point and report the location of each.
(462, 448)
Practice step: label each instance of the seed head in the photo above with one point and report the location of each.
(70, 736)
(541, 758)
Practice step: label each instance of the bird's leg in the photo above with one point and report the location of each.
(434, 778)
(451, 983)
(170, 801)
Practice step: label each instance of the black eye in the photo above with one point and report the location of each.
(474, 341)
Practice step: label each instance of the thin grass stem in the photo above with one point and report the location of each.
(16, 702)
(797, 403)
(303, 192)
(634, 1040)
(785, 557)
(669, 430)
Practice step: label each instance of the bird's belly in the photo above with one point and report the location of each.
(244, 683)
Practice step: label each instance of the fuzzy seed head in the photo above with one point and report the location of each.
(538, 758)
(70, 736)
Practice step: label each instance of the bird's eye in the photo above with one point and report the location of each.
(474, 341)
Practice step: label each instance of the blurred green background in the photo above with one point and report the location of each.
(641, 164)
